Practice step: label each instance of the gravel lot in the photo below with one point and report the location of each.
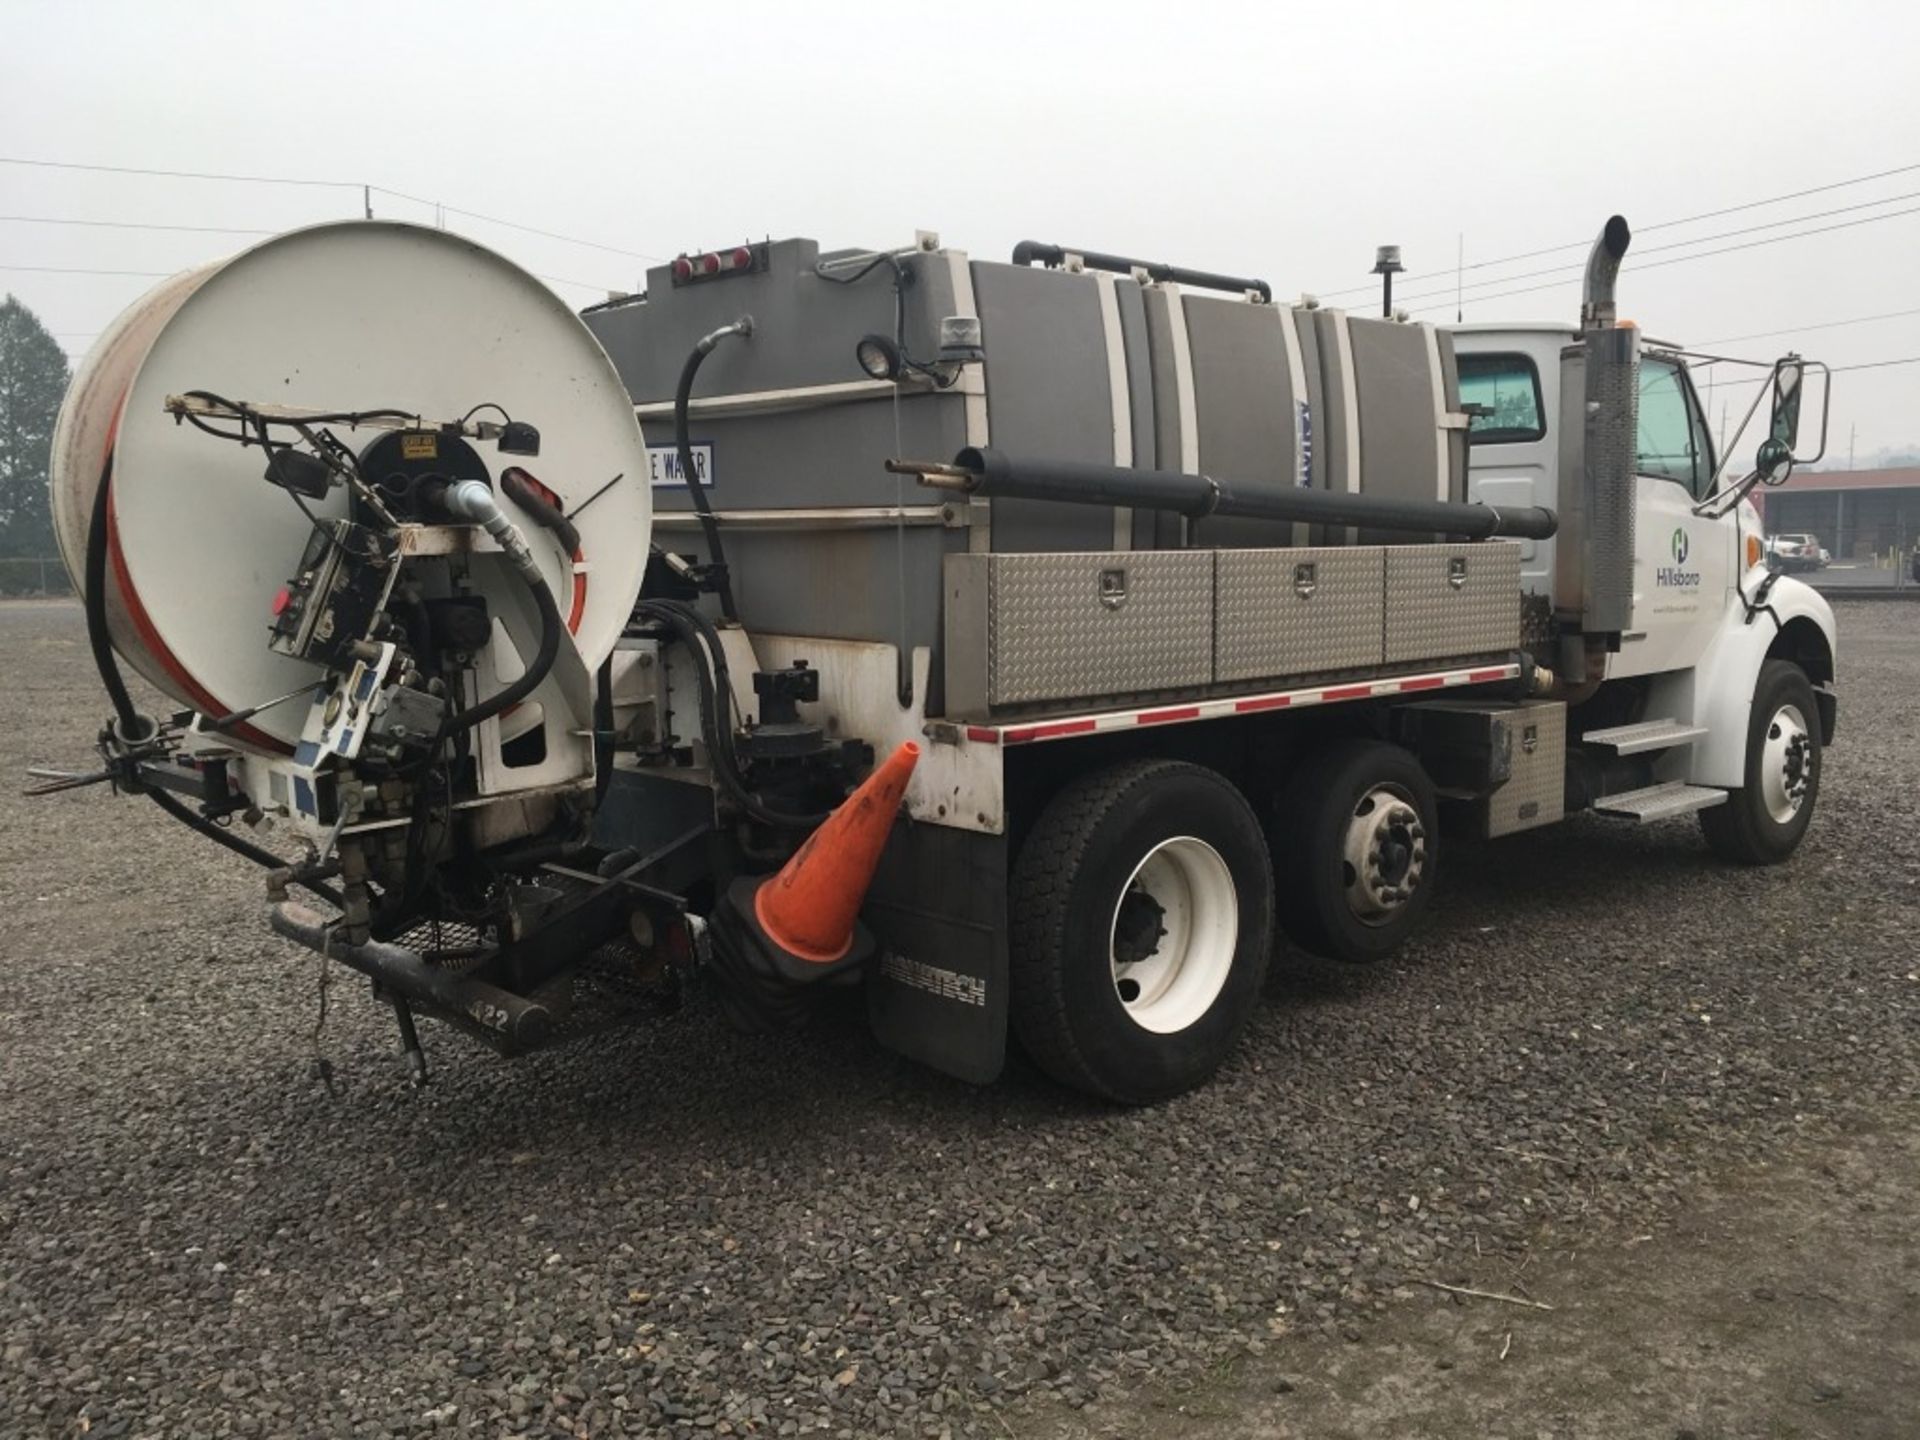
(680, 1231)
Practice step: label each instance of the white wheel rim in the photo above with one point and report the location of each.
(1786, 763)
(1167, 981)
(1384, 859)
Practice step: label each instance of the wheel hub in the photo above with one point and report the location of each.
(1786, 763)
(1175, 930)
(1385, 856)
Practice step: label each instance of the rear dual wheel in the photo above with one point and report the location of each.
(1356, 844)
(1142, 922)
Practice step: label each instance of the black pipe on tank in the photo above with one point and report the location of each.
(982, 470)
(1031, 252)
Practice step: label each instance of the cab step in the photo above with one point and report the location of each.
(1646, 735)
(1660, 802)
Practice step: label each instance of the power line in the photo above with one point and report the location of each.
(1831, 370)
(327, 184)
(1877, 364)
(516, 225)
(163, 274)
(578, 284)
(1666, 224)
(179, 174)
(73, 270)
(1671, 245)
(130, 225)
(1804, 329)
(1698, 255)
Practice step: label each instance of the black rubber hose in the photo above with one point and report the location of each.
(521, 488)
(602, 730)
(246, 849)
(550, 628)
(702, 641)
(713, 686)
(97, 637)
(129, 718)
(683, 446)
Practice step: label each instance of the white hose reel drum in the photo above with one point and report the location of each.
(354, 316)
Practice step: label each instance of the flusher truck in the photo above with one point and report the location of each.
(1033, 645)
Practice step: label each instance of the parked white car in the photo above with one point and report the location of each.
(1795, 552)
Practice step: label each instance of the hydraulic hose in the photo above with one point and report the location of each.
(683, 447)
(131, 724)
(471, 500)
(97, 637)
(602, 731)
(715, 687)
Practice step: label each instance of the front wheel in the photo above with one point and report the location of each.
(1763, 821)
(1142, 910)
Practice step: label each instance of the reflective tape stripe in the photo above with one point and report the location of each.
(1238, 705)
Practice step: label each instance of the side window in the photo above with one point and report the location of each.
(1508, 387)
(1672, 441)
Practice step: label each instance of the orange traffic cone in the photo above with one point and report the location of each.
(774, 937)
(808, 908)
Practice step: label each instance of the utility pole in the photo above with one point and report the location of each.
(1852, 430)
(366, 200)
(1459, 269)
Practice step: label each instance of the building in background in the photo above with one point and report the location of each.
(1855, 514)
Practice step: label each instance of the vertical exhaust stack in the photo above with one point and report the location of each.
(1612, 420)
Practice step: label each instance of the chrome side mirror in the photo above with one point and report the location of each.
(1774, 462)
(1785, 424)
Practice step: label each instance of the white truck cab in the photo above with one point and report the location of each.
(1705, 612)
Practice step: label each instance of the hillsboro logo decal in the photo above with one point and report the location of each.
(1674, 575)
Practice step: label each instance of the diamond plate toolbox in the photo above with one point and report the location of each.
(1027, 628)
(1294, 612)
(1448, 601)
(1535, 794)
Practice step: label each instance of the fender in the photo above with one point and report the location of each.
(1796, 623)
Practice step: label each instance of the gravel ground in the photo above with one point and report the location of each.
(680, 1231)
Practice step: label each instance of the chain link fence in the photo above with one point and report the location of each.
(33, 578)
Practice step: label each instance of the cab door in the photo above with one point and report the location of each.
(1682, 562)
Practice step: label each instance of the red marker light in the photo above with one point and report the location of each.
(742, 258)
(281, 600)
(683, 269)
(709, 264)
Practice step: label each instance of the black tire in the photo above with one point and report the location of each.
(1746, 829)
(1075, 869)
(1325, 907)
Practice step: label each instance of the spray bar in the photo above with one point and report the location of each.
(983, 471)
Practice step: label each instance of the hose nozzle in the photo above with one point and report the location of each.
(471, 500)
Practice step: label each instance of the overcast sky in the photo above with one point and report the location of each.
(1284, 141)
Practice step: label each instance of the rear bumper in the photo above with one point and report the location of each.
(508, 1022)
